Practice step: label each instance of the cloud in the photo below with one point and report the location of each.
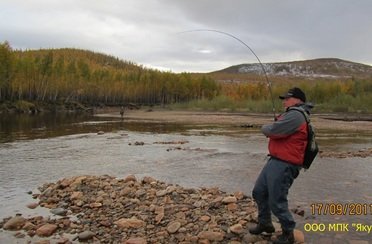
(149, 32)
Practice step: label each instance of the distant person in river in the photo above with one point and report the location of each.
(122, 112)
(287, 143)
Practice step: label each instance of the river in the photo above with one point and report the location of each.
(38, 149)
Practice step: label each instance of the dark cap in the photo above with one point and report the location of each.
(294, 92)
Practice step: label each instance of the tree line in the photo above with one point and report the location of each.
(88, 77)
(63, 75)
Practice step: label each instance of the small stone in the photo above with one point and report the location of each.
(232, 206)
(130, 178)
(249, 238)
(239, 195)
(129, 223)
(161, 193)
(205, 218)
(159, 217)
(86, 235)
(137, 240)
(59, 211)
(229, 199)
(63, 240)
(29, 226)
(95, 205)
(211, 235)
(32, 205)
(237, 229)
(76, 195)
(19, 235)
(43, 242)
(173, 227)
(148, 180)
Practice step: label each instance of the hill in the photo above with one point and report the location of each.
(67, 75)
(329, 68)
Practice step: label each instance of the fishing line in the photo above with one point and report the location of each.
(250, 49)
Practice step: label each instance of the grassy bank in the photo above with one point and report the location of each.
(342, 103)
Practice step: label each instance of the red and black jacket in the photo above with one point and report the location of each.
(288, 136)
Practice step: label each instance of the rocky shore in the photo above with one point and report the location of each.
(105, 209)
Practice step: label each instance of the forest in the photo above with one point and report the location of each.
(65, 75)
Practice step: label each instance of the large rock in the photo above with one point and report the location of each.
(299, 236)
(46, 230)
(15, 223)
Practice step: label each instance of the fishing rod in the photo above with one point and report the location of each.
(250, 49)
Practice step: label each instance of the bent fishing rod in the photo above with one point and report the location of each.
(250, 49)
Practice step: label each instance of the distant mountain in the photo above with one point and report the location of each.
(315, 68)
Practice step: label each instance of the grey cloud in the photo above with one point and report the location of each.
(147, 32)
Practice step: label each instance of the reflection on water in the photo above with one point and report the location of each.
(19, 127)
(40, 149)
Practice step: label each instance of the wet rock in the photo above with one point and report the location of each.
(29, 226)
(46, 230)
(15, 223)
(32, 205)
(148, 180)
(137, 143)
(59, 211)
(130, 178)
(19, 235)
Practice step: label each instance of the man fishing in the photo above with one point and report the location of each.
(287, 143)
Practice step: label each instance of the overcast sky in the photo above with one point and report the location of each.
(149, 32)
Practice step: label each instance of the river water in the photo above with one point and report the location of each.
(38, 149)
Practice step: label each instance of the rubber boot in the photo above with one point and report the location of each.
(268, 228)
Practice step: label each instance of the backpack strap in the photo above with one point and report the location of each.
(307, 118)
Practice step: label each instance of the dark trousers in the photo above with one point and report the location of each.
(271, 191)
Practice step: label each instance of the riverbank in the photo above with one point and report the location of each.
(26, 107)
(320, 121)
(106, 209)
